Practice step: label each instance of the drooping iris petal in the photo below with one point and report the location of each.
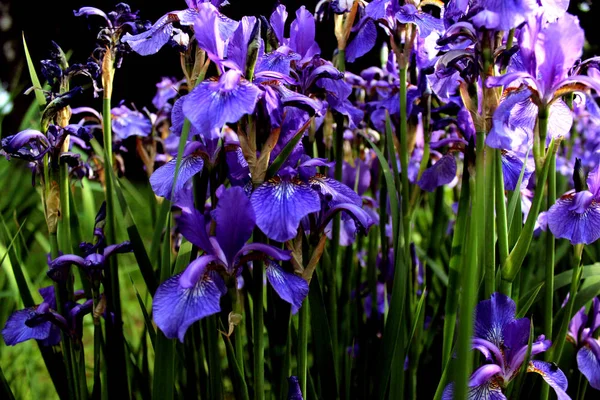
(492, 316)
(363, 42)
(333, 191)
(16, 330)
(277, 61)
(28, 144)
(280, 204)
(152, 40)
(552, 375)
(302, 35)
(89, 11)
(127, 122)
(162, 179)
(213, 103)
(426, 23)
(235, 220)
(289, 286)
(490, 391)
(439, 174)
(588, 362)
(177, 119)
(566, 222)
(175, 308)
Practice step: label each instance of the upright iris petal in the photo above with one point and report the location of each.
(280, 204)
(235, 220)
(213, 103)
(363, 42)
(302, 35)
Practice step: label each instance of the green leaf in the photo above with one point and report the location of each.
(561, 280)
(139, 250)
(321, 335)
(239, 382)
(524, 307)
(5, 392)
(39, 95)
(147, 319)
(163, 384)
(287, 150)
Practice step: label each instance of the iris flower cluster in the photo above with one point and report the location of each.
(402, 215)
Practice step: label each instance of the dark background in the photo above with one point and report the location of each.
(43, 21)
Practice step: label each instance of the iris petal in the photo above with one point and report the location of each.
(16, 331)
(289, 287)
(162, 179)
(280, 204)
(588, 362)
(579, 227)
(213, 103)
(552, 375)
(175, 308)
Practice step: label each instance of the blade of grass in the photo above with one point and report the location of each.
(147, 319)
(164, 363)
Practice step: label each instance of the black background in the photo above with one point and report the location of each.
(43, 21)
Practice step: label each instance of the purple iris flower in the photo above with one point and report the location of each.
(576, 214)
(503, 341)
(293, 194)
(33, 322)
(127, 122)
(547, 53)
(159, 34)
(195, 293)
(580, 333)
(43, 323)
(439, 174)
(166, 89)
(294, 392)
(192, 163)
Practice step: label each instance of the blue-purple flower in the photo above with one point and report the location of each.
(581, 333)
(576, 214)
(503, 341)
(195, 293)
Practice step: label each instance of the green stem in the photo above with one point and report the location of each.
(458, 251)
(490, 245)
(214, 358)
(303, 347)
(516, 257)
(561, 338)
(501, 217)
(405, 198)
(470, 279)
(258, 323)
(550, 256)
